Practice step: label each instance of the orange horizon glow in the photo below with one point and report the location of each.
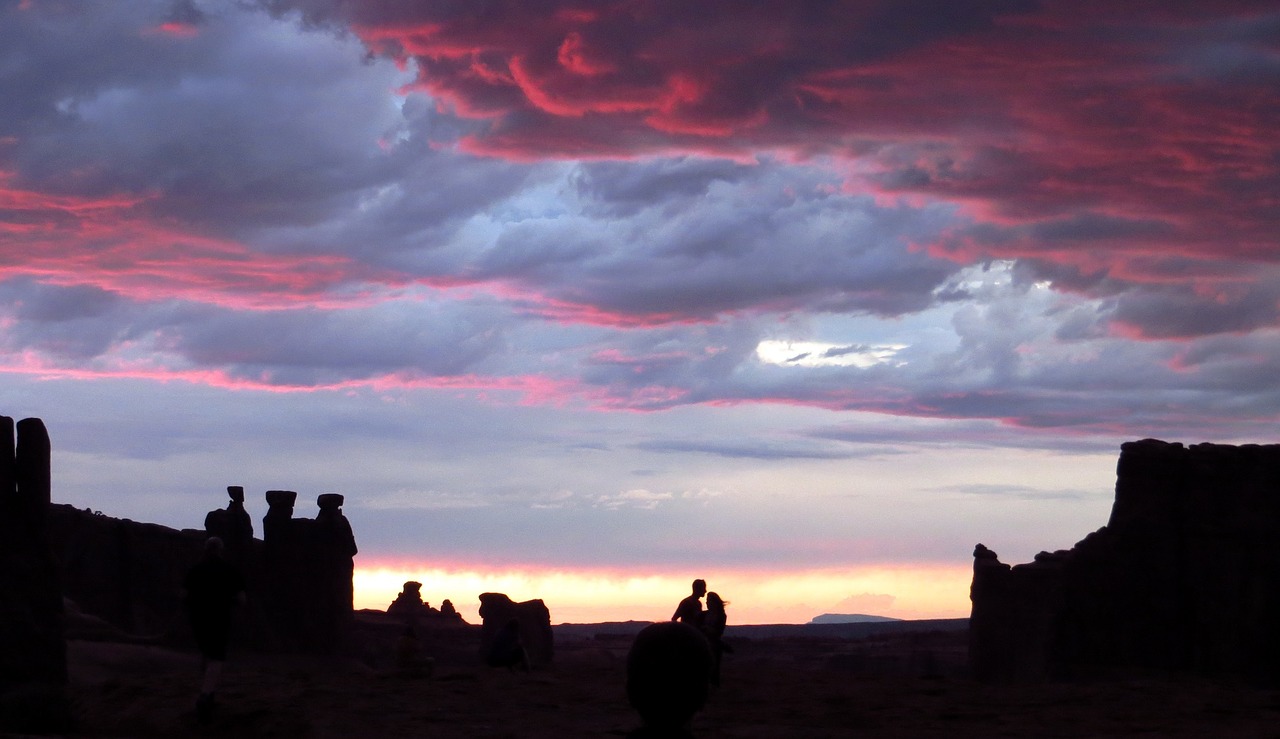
(906, 591)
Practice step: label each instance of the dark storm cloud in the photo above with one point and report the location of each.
(1095, 136)
(777, 239)
(75, 323)
(234, 129)
(623, 189)
(260, 199)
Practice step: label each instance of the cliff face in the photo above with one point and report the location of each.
(130, 574)
(124, 572)
(1184, 576)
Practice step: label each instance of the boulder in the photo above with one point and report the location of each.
(532, 620)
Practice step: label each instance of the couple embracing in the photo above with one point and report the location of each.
(711, 622)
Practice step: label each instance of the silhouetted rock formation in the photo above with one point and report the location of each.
(283, 559)
(1184, 576)
(33, 655)
(124, 572)
(308, 573)
(409, 606)
(298, 578)
(333, 548)
(668, 672)
(410, 609)
(233, 525)
(497, 610)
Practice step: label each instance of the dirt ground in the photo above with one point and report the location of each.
(786, 687)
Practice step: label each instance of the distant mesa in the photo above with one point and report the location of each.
(850, 618)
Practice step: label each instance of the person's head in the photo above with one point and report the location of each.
(667, 670)
(213, 547)
(715, 602)
(699, 587)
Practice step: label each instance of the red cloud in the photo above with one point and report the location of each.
(106, 243)
(1083, 132)
(176, 29)
(529, 389)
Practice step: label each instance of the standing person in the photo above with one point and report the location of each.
(690, 609)
(713, 623)
(211, 591)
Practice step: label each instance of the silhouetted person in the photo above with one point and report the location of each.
(210, 591)
(667, 671)
(507, 650)
(713, 623)
(690, 609)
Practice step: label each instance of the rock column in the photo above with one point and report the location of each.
(33, 654)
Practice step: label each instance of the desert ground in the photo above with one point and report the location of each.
(908, 684)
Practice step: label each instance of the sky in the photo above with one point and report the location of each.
(581, 299)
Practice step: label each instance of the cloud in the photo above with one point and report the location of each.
(750, 449)
(268, 202)
(1098, 139)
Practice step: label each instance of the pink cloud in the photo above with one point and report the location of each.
(528, 389)
(109, 243)
(175, 29)
(1028, 118)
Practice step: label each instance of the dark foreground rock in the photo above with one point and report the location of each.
(33, 664)
(1185, 576)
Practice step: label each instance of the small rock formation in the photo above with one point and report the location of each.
(33, 653)
(448, 612)
(534, 626)
(409, 606)
(668, 676)
(1184, 576)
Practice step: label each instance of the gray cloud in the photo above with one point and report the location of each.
(165, 201)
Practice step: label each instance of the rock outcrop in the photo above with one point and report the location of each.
(497, 612)
(33, 655)
(409, 606)
(1184, 576)
(299, 577)
(125, 572)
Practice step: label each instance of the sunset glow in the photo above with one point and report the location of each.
(586, 596)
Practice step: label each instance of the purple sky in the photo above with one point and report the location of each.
(645, 286)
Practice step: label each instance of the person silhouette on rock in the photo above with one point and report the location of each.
(690, 609)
